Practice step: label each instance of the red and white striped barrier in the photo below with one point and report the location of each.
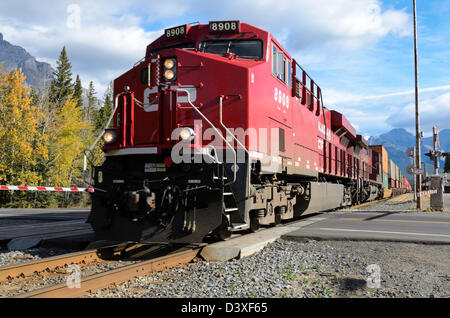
(421, 194)
(57, 189)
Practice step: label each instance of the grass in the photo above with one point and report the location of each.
(326, 291)
(288, 273)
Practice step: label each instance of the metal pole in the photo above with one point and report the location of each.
(414, 177)
(416, 71)
(435, 149)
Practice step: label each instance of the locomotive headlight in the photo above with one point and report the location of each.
(170, 69)
(187, 134)
(169, 75)
(110, 137)
(169, 64)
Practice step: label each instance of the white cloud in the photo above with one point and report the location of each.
(394, 110)
(433, 111)
(113, 36)
(336, 97)
(340, 24)
(106, 44)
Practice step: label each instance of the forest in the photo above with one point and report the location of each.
(44, 134)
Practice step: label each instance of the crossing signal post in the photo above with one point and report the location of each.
(436, 153)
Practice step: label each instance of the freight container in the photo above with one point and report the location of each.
(405, 183)
(391, 170)
(392, 183)
(384, 157)
(385, 181)
(397, 174)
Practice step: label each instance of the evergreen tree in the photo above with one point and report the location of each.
(78, 92)
(91, 103)
(61, 87)
(34, 95)
(105, 112)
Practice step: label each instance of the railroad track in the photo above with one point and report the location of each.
(162, 257)
(119, 275)
(8, 273)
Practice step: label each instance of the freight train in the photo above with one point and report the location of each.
(219, 129)
(394, 182)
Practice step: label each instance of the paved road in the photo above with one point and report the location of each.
(24, 228)
(44, 214)
(379, 226)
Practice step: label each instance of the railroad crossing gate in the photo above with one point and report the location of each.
(437, 199)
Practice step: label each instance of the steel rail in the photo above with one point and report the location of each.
(116, 276)
(50, 263)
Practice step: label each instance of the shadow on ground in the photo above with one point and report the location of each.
(349, 284)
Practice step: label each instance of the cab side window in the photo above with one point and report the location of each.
(289, 74)
(278, 63)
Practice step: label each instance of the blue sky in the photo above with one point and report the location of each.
(359, 51)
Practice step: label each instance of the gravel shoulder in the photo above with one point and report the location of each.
(409, 205)
(305, 269)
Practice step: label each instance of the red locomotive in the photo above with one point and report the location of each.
(219, 129)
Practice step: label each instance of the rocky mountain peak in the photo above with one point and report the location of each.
(13, 57)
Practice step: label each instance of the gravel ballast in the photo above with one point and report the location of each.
(305, 269)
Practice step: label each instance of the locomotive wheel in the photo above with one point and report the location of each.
(278, 212)
(254, 223)
(224, 233)
(254, 220)
(277, 219)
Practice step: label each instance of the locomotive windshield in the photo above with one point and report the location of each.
(184, 46)
(246, 49)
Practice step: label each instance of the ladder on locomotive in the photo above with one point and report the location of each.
(229, 204)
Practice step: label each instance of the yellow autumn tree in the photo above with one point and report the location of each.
(67, 141)
(21, 143)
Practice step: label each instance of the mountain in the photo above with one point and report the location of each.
(398, 140)
(38, 74)
(12, 57)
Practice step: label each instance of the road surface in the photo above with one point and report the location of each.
(419, 227)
